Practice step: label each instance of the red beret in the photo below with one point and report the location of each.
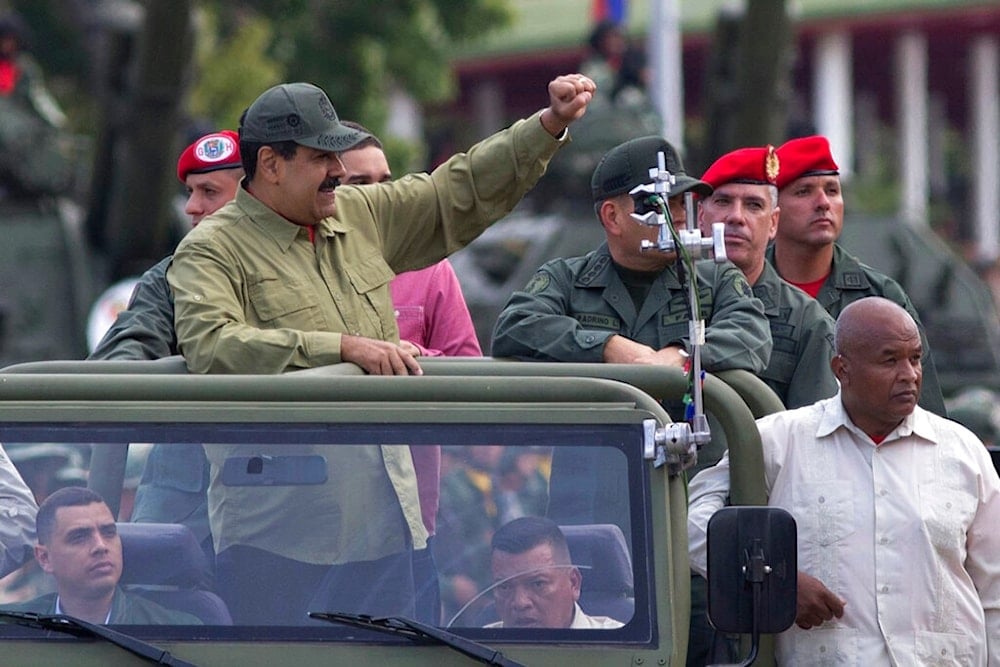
(219, 150)
(757, 166)
(807, 156)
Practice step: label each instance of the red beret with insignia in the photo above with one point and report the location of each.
(757, 166)
(219, 150)
(806, 156)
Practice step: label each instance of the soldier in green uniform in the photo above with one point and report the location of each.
(806, 254)
(622, 304)
(745, 198)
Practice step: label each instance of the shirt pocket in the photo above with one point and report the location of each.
(823, 648)
(370, 277)
(284, 303)
(180, 466)
(411, 324)
(938, 648)
(946, 513)
(824, 511)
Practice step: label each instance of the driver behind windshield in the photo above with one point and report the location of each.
(535, 583)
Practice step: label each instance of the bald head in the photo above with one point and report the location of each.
(878, 364)
(863, 318)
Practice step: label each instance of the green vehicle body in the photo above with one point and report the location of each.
(495, 399)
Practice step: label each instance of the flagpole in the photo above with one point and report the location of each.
(667, 82)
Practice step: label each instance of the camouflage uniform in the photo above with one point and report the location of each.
(851, 280)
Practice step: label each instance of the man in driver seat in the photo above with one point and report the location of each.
(536, 584)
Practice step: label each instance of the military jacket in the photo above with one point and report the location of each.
(126, 609)
(571, 307)
(850, 280)
(802, 335)
(144, 330)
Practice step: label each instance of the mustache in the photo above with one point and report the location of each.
(330, 184)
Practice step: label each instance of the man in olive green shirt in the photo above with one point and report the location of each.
(295, 274)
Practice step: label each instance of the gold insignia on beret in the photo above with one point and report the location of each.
(771, 164)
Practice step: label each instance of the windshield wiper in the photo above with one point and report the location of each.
(420, 633)
(74, 626)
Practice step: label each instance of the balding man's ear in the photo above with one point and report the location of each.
(839, 367)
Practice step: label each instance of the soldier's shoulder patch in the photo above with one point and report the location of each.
(741, 285)
(538, 282)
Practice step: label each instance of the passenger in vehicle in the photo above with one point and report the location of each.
(805, 251)
(536, 584)
(17, 517)
(78, 544)
(295, 274)
(433, 321)
(896, 510)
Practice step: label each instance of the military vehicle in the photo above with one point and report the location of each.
(612, 461)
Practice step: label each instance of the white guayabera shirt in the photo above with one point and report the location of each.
(907, 532)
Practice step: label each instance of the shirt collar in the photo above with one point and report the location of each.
(277, 227)
(107, 619)
(917, 423)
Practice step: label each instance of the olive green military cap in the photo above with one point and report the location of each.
(299, 112)
(627, 165)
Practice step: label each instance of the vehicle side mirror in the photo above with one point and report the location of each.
(752, 570)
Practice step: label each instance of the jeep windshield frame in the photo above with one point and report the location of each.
(567, 412)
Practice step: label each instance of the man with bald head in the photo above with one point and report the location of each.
(896, 507)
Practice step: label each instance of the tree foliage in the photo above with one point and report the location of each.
(355, 50)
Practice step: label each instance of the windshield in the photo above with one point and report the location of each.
(528, 532)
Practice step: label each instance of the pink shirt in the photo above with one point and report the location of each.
(432, 314)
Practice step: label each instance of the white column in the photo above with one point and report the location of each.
(984, 74)
(833, 97)
(663, 50)
(405, 117)
(911, 115)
